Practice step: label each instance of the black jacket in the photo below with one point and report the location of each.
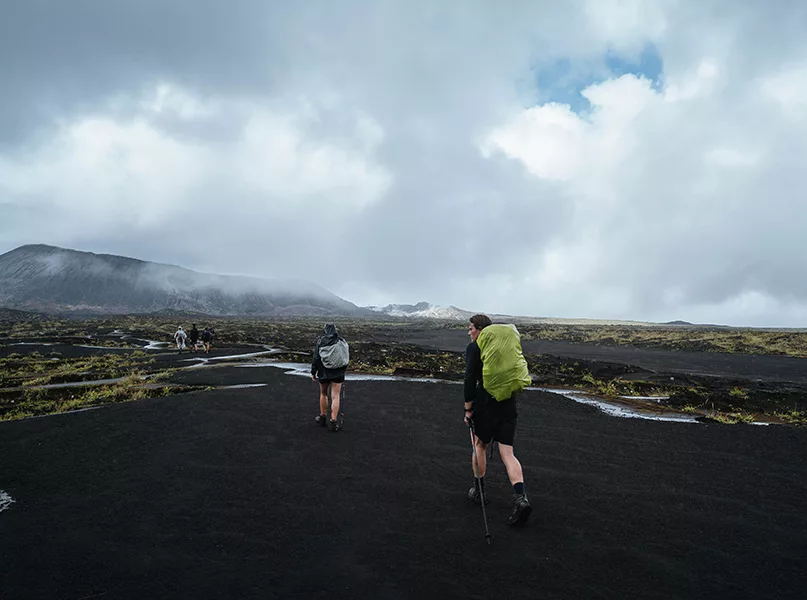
(474, 391)
(319, 370)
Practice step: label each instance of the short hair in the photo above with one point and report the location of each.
(480, 321)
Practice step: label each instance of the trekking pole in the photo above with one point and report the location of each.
(341, 415)
(481, 491)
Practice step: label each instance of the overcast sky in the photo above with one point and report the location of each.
(631, 159)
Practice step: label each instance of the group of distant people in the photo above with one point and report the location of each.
(489, 411)
(194, 339)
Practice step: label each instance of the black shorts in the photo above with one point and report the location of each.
(496, 421)
(340, 379)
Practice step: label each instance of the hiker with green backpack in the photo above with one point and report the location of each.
(495, 370)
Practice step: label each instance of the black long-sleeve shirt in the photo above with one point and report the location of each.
(474, 391)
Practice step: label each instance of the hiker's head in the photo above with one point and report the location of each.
(329, 329)
(477, 324)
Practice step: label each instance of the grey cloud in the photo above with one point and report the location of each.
(435, 78)
(68, 57)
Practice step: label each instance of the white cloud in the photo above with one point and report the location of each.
(274, 158)
(106, 173)
(788, 88)
(397, 132)
(171, 100)
(674, 194)
(627, 24)
(101, 172)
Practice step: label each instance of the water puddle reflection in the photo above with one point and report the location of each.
(5, 501)
(609, 408)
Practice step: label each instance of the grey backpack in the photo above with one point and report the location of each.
(335, 356)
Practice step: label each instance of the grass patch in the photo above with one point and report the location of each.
(38, 402)
(693, 338)
(376, 347)
(738, 392)
(733, 418)
(796, 417)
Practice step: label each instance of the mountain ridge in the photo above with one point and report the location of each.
(50, 279)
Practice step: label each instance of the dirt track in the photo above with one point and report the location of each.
(236, 493)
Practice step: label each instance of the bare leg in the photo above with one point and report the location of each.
(511, 463)
(336, 396)
(323, 398)
(480, 465)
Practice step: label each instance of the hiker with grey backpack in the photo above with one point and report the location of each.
(331, 357)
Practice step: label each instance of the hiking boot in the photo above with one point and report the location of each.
(334, 426)
(475, 496)
(521, 510)
(321, 420)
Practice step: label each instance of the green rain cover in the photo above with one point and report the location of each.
(504, 369)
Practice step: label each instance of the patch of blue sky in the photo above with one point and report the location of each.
(564, 79)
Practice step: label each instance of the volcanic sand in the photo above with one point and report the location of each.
(238, 494)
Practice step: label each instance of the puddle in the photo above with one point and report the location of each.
(210, 361)
(203, 362)
(243, 386)
(155, 345)
(111, 348)
(70, 384)
(613, 410)
(247, 355)
(53, 386)
(5, 501)
(304, 370)
(67, 412)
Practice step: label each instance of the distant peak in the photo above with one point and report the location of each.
(421, 310)
(35, 247)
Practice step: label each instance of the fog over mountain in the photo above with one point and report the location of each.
(57, 280)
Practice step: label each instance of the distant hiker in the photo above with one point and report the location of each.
(331, 357)
(207, 339)
(194, 335)
(179, 337)
(495, 370)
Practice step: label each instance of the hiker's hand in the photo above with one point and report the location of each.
(313, 378)
(469, 418)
